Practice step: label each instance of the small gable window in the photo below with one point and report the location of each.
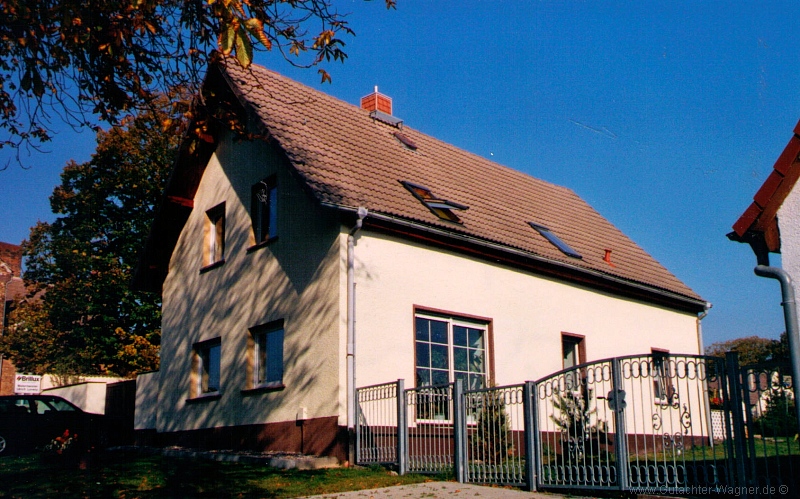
(442, 208)
(264, 209)
(555, 240)
(214, 236)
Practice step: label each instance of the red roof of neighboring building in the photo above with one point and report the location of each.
(11, 255)
(348, 158)
(760, 218)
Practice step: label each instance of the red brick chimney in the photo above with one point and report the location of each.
(377, 102)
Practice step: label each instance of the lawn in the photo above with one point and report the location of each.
(129, 476)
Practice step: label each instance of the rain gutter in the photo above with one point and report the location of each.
(668, 295)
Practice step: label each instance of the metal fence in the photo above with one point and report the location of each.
(430, 433)
(772, 454)
(495, 435)
(656, 423)
(379, 410)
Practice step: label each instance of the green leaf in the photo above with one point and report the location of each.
(244, 48)
(227, 39)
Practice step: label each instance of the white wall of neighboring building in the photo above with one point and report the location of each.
(529, 313)
(89, 396)
(789, 224)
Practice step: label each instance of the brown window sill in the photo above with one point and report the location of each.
(206, 397)
(211, 266)
(262, 244)
(264, 389)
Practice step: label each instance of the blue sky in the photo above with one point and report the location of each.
(666, 117)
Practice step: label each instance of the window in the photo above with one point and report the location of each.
(268, 355)
(439, 207)
(214, 236)
(572, 348)
(663, 388)
(573, 353)
(450, 348)
(207, 367)
(555, 240)
(264, 209)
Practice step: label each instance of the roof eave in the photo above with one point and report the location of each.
(759, 220)
(494, 251)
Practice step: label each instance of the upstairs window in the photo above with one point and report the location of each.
(442, 208)
(264, 209)
(214, 236)
(555, 240)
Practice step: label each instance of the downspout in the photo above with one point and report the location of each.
(700, 318)
(790, 318)
(351, 333)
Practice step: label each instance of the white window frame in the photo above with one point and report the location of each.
(453, 321)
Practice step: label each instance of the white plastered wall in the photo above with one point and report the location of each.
(789, 224)
(529, 313)
(294, 278)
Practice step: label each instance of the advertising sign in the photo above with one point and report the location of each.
(27, 384)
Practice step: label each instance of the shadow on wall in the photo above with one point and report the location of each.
(294, 278)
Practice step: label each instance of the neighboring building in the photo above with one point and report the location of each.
(344, 248)
(11, 287)
(771, 224)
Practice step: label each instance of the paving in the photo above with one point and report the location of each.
(438, 490)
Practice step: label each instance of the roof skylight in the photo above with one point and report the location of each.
(442, 208)
(555, 240)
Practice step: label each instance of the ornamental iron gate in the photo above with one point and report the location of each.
(658, 423)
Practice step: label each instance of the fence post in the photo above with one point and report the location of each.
(459, 430)
(735, 393)
(532, 441)
(402, 428)
(621, 447)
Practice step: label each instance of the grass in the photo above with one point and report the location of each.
(130, 476)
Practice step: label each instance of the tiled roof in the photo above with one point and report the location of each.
(760, 217)
(349, 159)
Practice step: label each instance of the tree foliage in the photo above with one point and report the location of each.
(752, 349)
(88, 320)
(72, 59)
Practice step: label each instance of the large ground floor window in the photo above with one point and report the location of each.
(449, 348)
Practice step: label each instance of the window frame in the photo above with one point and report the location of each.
(664, 390)
(214, 237)
(556, 241)
(254, 357)
(264, 215)
(577, 342)
(201, 377)
(457, 319)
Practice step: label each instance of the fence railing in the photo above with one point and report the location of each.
(639, 423)
(379, 413)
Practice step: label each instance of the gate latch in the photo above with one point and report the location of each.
(616, 400)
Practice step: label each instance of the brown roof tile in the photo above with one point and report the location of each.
(349, 159)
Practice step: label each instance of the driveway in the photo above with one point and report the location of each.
(438, 490)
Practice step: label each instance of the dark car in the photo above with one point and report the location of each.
(29, 422)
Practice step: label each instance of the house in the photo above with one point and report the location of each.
(11, 288)
(338, 247)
